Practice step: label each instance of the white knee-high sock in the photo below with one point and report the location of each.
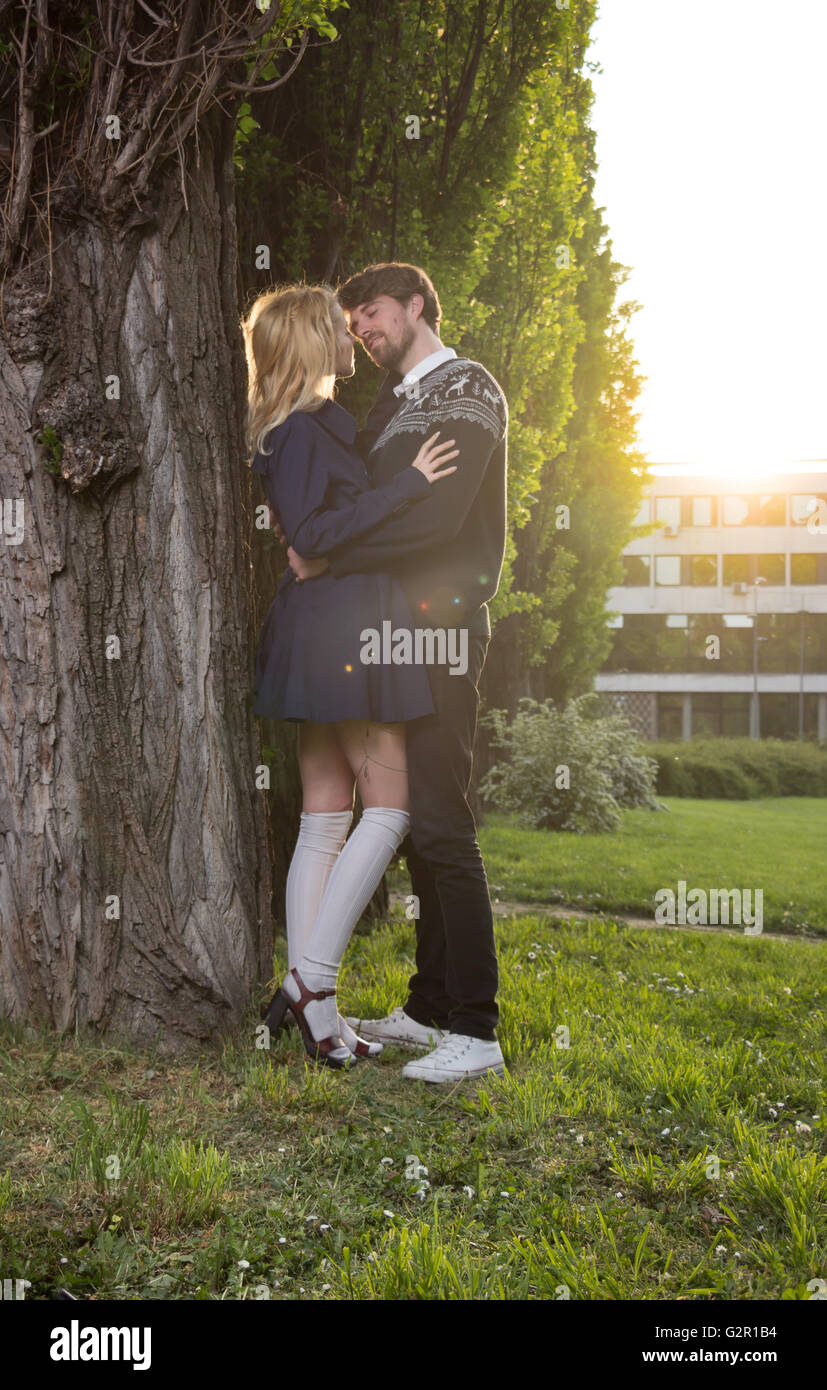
(321, 836)
(355, 877)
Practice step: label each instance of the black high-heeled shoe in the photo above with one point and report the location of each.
(281, 1004)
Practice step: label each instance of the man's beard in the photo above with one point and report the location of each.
(390, 361)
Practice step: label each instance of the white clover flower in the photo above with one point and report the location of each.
(324, 1228)
(469, 1191)
(720, 1249)
(387, 1213)
(664, 1133)
(801, 1128)
(244, 1264)
(282, 1240)
(325, 1288)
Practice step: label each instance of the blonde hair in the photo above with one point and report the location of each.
(290, 346)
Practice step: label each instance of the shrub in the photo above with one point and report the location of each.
(601, 759)
(740, 768)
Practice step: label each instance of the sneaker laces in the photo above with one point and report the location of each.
(454, 1045)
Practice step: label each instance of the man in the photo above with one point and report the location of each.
(448, 553)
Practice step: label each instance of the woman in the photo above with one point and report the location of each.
(351, 715)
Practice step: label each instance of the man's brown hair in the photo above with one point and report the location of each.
(394, 278)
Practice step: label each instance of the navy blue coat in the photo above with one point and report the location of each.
(308, 663)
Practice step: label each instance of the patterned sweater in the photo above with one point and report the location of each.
(448, 549)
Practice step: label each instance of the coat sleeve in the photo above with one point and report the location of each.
(442, 514)
(298, 488)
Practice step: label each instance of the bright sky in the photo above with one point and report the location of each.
(711, 120)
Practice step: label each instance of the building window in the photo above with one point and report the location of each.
(736, 569)
(667, 569)
(672, 650)
(736, 511)
(780, 714)
(670, 716)
(803, 569)
(636, 570)
(806, 504)
(703, 511)
(720, 716)
(668, 510)
(735, 716)
(706, 716)
(703, 569)
(766, 509)
(772, 568)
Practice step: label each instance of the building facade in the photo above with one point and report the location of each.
(720, 624)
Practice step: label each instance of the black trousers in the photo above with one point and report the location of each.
(455, 984)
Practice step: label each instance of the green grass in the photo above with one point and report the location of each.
(670, 1145)
(779, 845)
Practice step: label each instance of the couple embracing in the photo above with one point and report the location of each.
(398, 528)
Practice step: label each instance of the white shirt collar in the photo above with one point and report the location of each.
(434, 359)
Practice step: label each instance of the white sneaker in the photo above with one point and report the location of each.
(398, 1028)
(457, 1056)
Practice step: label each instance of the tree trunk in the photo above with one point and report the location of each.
(134, 877)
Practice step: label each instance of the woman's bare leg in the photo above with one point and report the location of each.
(327, 778)
(377, 756)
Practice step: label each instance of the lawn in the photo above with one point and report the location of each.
(659, 1135)
(778, 844)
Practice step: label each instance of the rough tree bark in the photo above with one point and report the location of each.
(128, 781)
(134, 868)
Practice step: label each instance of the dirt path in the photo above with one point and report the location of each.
(507, 908)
